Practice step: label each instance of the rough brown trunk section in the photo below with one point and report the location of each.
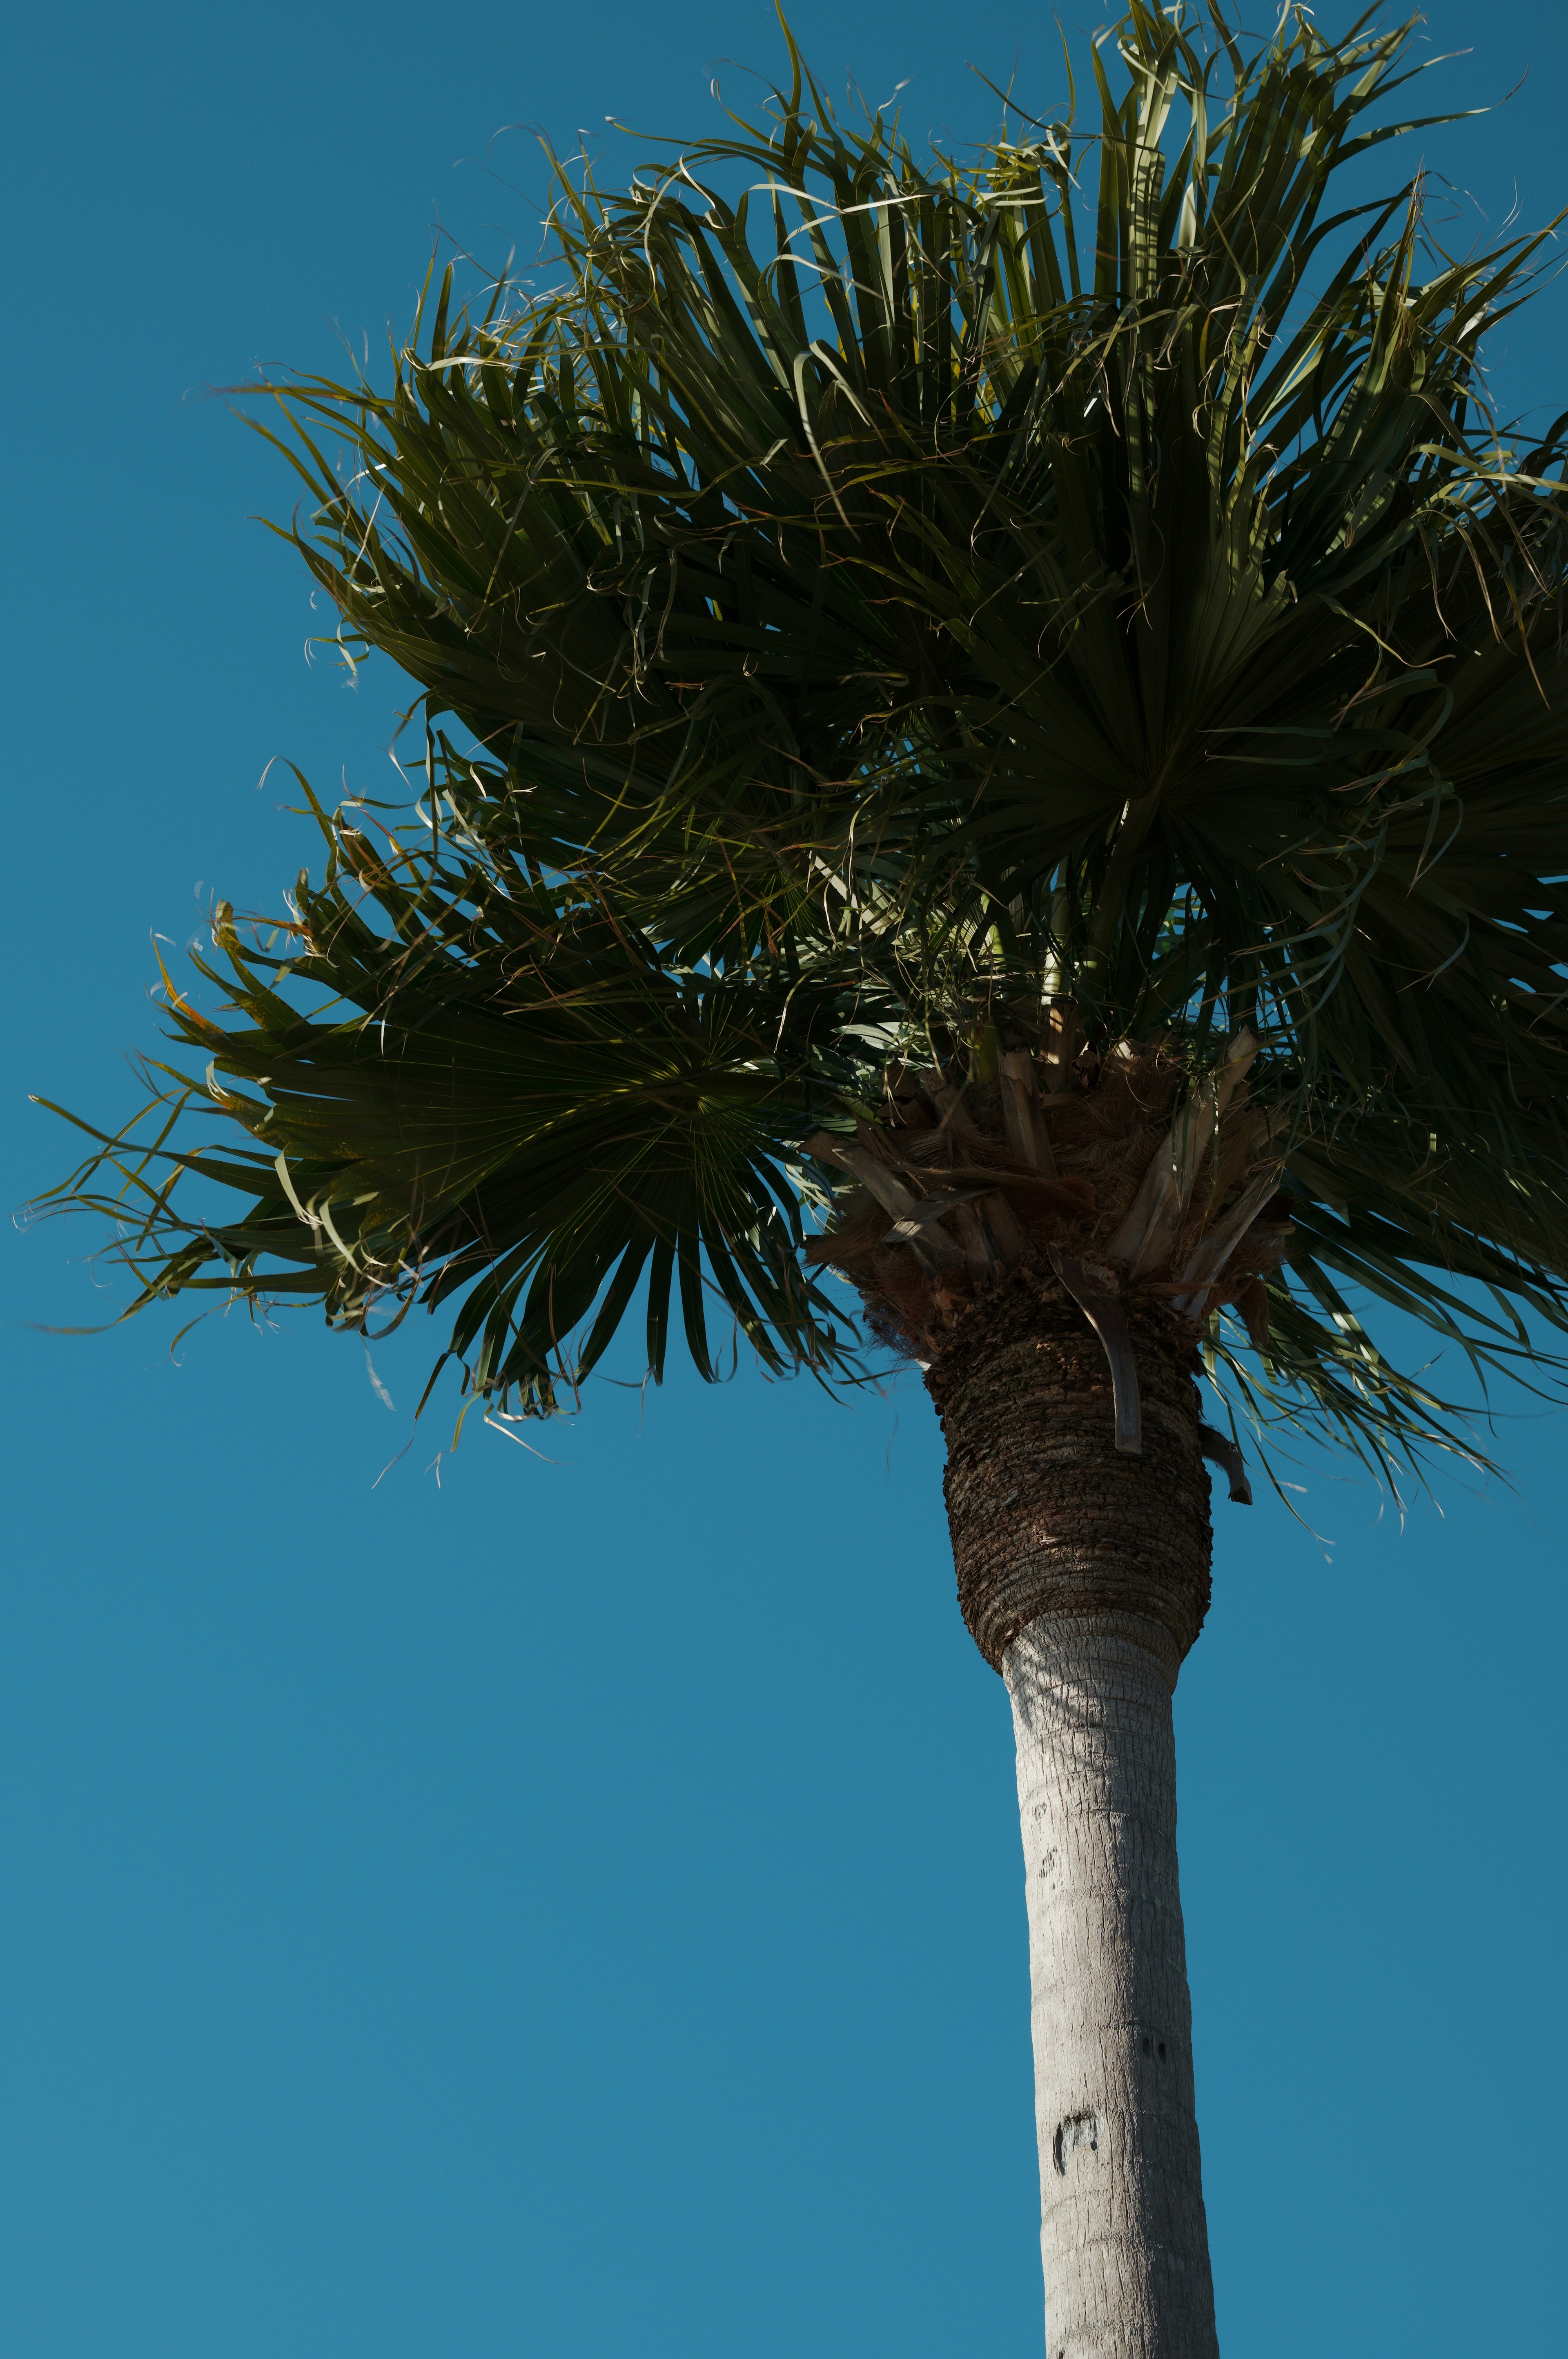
(1047, 1516)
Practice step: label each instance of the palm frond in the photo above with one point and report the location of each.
(507, 1099)
(869, 608)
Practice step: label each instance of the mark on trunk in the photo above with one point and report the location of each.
(1080, 2129)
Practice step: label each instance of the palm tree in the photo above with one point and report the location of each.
(1000, 753)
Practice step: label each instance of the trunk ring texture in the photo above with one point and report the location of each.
(1047, 1516)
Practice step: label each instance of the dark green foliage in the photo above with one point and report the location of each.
(863, 598)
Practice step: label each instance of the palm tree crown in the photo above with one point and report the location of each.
(1030, 728)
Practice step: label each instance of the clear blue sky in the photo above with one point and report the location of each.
(531, 1908)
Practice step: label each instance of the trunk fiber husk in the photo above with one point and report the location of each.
(1083, 1576)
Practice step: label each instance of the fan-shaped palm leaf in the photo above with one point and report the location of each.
(886, 613)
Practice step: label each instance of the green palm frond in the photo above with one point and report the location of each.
(867, 600)
(508, 1099)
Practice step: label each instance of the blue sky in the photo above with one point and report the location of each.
(535, 1905)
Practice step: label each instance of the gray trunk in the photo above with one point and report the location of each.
(1123, 2235)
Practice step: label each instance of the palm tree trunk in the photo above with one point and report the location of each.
(1084, 1577)
(1122, 2237)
